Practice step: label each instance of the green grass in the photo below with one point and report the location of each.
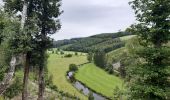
(125, 38)
(58, 66)
(116, 55)
(1, 98)
(98, 80)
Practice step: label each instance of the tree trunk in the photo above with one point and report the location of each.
(24, 14)
(26, 76)
(6, 82)
(41, 82)
(26, 64)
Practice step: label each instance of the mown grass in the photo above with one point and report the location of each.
(98, 80)
(125, 38)
(58, 66)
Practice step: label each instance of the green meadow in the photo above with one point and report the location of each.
(98, 80)
(58, 66)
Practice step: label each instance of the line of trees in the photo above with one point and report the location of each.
(39, 19)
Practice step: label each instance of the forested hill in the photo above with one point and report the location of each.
(105, 41)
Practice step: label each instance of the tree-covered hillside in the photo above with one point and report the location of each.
(105, 41)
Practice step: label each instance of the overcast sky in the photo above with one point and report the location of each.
(83, 18)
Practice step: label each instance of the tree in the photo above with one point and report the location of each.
(41, 14)
(149, 76)
(73, 67)
(100, 58)
(46, 13)
(90, 56)
(10, 29)
(23, 37)
(76, 53)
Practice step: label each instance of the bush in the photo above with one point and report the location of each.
(76, 53)
(118, 93)
(15, 89)
(62, 53)
(2, 71)
(90, 97)
(56, 52)
(53, 87)
(73, 67)
(68, 55)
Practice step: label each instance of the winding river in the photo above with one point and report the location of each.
(84, 89)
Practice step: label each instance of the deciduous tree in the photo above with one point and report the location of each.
(149, 76)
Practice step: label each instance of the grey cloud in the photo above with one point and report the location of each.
(84, 18)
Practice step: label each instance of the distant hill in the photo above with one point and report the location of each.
(105, 41)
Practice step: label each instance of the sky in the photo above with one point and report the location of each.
(82, 18)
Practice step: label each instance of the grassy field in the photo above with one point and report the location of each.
(98, 80)
(1, 98)
(125, 38)
(58, 66)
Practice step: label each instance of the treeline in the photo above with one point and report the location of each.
(106, 42)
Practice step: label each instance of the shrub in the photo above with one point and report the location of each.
(73, 67)
(68, 55)
(56, 52)
(62, 53)
(15, 89)
(119, 94)
(90, 56)
(76, 53)
(53, 87)
(90, 97)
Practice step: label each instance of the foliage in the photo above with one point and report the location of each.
(61, 52)
(90, 97)
(1, 26)
(73, 67)
(76, 53)
(109, 68)
(15, 89)
(106, 42)
(8, 28)
(100, 59)
(118, 94)
(68, 55)
(90, 56)
(149, 76)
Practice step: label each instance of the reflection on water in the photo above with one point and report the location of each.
(84, 89)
